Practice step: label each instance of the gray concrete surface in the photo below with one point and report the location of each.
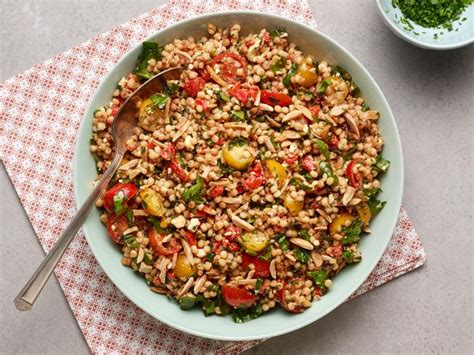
(431, 94)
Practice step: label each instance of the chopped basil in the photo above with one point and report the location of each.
(150, 50)
(237, 142)
(322, 86)
(352, 233)
(284, 245)
(130, 217)
(118, 203)
(323, 148)
(209, 308)
(159, 100)
(365, 107)
(340, 71)
(302, 255)
(130, 241)
(171, 89)
(277, 33)
(304, 234)
(319, 277)
(194, 192)
(299, 185)
(223, 96)
(239, 116)
(326, 169)
(348, 155)
(187, 303)
(291, 73)
(267, 254)
(348, 256)
(375, 205)
(242, 315)
(210, 256)
(258, 284)
(277, 65)
(381, 164)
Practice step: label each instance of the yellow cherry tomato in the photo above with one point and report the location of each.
(277, 171)
(149, 115)
(293, 206)
(340, 221)
(254, 241)
(238, 156)
(308, 76)
(183, 268)
(152, 202)
(365, 214)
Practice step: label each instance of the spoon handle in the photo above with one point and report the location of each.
(28, 295)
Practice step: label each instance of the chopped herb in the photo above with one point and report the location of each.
(130, 241)
(258, 284)
(365, 107)
(322, 86)
(299, 185)
(267, 254)
(291, 73)
(118, 203)
(150, 50)
(277, 33)
(348, 155)
(352, 233)
(223, 96)
(224, 307)
(284, 245)
(323, 148)
(239, 116)
(319, 277)
(303, 233)
(381, 164)
(242, 315)
(195, 191)
(225, 170)
(348, 256)
(187, 303)
(156, 224)
(277, 65)
(375, 205)
(237, 142)
(302, 255)
(213, 288)
(210, 256)
(340, 71)
(159, 100)
(147, 259)
(130, 217)
(326, 169)
(209, 308)
(171, 89)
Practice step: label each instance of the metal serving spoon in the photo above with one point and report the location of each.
(122, 130)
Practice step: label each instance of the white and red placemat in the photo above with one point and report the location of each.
(40, 113)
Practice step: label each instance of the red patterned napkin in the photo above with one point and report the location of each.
(40, 112)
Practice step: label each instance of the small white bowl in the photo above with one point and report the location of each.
(461, 35)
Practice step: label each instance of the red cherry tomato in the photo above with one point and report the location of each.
(256, 178)
(290, 288)
(151, 145)
(237, 297)
(215, 191)
(275, 98)
(308, 164)
(227, 63)
(129, 191)
(262, 267)
(231, 233)
(116, 225)
(190, 238)
(290, 159)
(354, 179)
(178, 170)
(156, 242)
(243, 95)
(168, 152)
(314, 110)
(202, 103)
(193, 86)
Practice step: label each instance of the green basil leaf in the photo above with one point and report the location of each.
(159, 100)
(322, 86)
(195, 191)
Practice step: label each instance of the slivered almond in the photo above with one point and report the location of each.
(283, 188)
(307, 113)
(239, 222)
(181, 131)
(258, 97)
(272, 122)
(185, 288)
(130, 230)
(162, 268)
(250, 274)
(241, 208)
(336, 111)
(320, 228)
(157, 290)
(352, 124)
(287, 135)
(216, 77)
(172, 264)
(243, 282)
(265, 107)
(317, 259)
(369, 115)
(139, 213)
(206, 171)
(348, 195)
(302, 243)
(355, 201)
(232, 200)
(292, 115)
(290, 256)
(269, 144)
(199, 283)
(273, 272)
(131, 164)
(324, 214)
(167, 108)
(141, 255)
(167, 238)
(187, 251)
(184, 54)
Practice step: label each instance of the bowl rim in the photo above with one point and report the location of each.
(421, 44)
(396, 200)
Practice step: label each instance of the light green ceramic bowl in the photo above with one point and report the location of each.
(461, 35)
(276, 322)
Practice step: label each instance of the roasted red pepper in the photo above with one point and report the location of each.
(193, 86)
(178, 170)
(275, 98)
(354, 179)
(168, 152)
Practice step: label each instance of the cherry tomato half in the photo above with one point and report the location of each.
(116, 225)
(129, 191)
(156, 242)
(193, 86)
(262, 267)
(228, 66)
(354, 179)
(178, 170)
(275, 98)
(243, 95)
(237, 297)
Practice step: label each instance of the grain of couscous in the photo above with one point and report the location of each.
(248, 181)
